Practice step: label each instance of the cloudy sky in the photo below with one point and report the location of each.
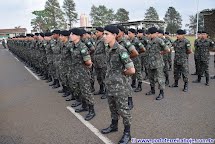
(18, 12)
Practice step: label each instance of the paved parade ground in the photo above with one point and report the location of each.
(31, 112)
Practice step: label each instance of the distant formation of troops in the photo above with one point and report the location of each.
(118, 58)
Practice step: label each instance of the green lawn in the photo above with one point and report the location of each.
(190, 38)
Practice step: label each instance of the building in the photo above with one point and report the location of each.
(5, 33)
(84, 21)
(209, 22)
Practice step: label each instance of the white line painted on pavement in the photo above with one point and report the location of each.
(32, 73)
(90, 126)
(146, 82)
(16, 58)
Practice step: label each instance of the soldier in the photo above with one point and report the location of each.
(165, 56)
(64, 68)
(167, 37)
(155, 49)
(144, 40)
(205, 45)
(86, 40)
(49, 55)
(131, 50)
(137, 63)
(196, 45)
(182, 49)
(79, 79)
(119, 65)
(55, 46)
(99, 60)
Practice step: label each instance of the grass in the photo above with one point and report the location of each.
(190, 38)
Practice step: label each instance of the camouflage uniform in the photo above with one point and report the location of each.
(203, 56)
(137, 63)
(196, 45)
(169, 59)
(49, 56)
(181, 65)
(117, 83)
(43, 59)
(100, 62)
(56, 49)
(143, 56)
(79, 74)
(155, 62)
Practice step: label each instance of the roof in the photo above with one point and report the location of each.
(140, 22)
(208, 12)
(15, 30)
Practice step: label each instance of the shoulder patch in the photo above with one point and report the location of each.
(124, 55)
(128, 43)
(188, 45)
(83, 51)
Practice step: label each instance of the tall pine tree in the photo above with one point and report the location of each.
(122, 15)
(69, 9)
(151, 14)
(173, 20)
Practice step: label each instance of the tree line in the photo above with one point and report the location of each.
(55, 17)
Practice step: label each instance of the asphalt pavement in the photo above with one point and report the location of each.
(31, 112)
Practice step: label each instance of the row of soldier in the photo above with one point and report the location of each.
(71, 57)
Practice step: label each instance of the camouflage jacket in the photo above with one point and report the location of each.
(56, 49)
(126, 44)
(153, 49)
(181, 47)
(205, 45)
(117, 61)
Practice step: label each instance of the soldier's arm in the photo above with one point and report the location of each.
(91, 47)
(164, 48)
(141, 46)
(127, 62)
(86, 57)
(132, 50)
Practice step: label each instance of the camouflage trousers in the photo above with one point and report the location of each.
(56, 72)
(144, 63)
(119, 107)
(157, 75)
(181, 69)
(100, 73)
(64, 74)
(203, 68)
(138, 73)
(169, 59)
(166, 68)
(80, 86)
(196, 64)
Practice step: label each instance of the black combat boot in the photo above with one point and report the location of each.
(57, 85)
(185, 87)
(76, 103)
(54, 82)
(198, 80)
(133, 84)
(139, 87)
(126, 135)
(112, 128)
(130, 103)
(91, 113)
(82, 108)
(167, 81)
(207, 81)
(160, 96)
(71, 98)
(49, 79)
(175, 84)
(66, 92)
(45, 77)
(151, 92)
(63, 90)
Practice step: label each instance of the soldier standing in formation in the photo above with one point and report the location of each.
(119, 66)
(182, 49)
(155, 50)
(205, 45)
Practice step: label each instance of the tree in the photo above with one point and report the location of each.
(55, 15)
(122, 15)
(40, 22)
(151, 14)
(173, 20)
(69, 9)
(193, 22)
(101, 15)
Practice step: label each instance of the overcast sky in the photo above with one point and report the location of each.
(18, 12)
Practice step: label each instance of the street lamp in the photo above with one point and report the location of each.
(197, 24)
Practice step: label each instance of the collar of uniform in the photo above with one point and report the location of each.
(77, 44)
(115, 46)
